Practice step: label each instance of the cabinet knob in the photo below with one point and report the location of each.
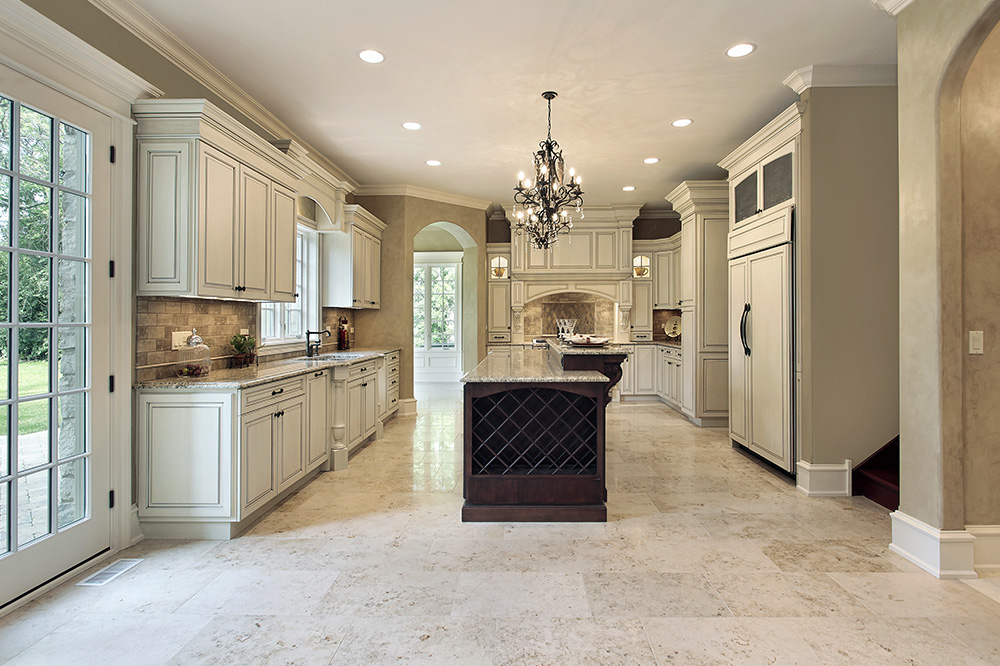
(278, 392)
(318, 374)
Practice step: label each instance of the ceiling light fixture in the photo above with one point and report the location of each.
(410, 125)
(682, 122)
(651, 160)
(433, 162)
(371, 56)
(544, 216)
(740, 50)
(628, 188)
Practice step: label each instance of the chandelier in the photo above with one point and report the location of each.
(543, 215)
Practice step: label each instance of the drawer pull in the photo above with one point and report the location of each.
(318, 374)
(365, 384)
(364, 369)
(393, 382)
(279, 414)
(278, 392)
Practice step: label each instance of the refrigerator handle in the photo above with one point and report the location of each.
(743, 328)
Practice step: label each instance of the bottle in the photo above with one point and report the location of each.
(194, 359)
(343, 338)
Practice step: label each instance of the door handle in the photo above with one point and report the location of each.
(743, 328)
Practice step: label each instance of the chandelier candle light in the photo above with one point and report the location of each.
(544, 216)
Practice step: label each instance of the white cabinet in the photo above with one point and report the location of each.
(216, 213)
(258, 482)
(669, 375)
(388, 385)
(760, 367)
(498, 316)
(687, 262)
(362, 410)
(352, 262)
(666, 278)
(644, 370)
(626, 386)
(642, 310)
(317, 419)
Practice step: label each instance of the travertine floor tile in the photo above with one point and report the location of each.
(510, 595)
(917, 595)
(584, 642)
(653, 595)
(418, 593)
(724, 641)
(256, 592)
(786, 595)
(448, 641)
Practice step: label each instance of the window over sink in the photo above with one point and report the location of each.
(287, 323)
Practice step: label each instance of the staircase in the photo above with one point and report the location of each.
(877, 478)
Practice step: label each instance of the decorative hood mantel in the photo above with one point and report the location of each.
(595, 257)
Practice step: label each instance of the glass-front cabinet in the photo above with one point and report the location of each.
(765, 184)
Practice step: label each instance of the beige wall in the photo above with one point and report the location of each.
(936, 42)
(392, 324)
(848, 227)
(980, 137)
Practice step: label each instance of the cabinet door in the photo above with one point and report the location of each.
(745, 197)
(283, 256)
(164, 217)
(374, 282)
(317, 418)
(255, 235)
(688, 268)
(355, 413)
(738, 416)
(359, 269)
(689, 352)
(777, 179)
(627, 384)
(768, 334)
(499, 306)
(675, 282)
(642, 305)
(291, 430)
(678, 380)
(257, 464)
(645, 369)
(663, 272)
(370, 404)
(661, 373)
(218, 224)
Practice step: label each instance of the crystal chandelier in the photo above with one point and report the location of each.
(544, 201)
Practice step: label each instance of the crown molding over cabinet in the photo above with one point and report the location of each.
(422, 193)
(892, 7)
(834, 76)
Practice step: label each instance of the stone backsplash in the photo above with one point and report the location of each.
(594, 315)
(216, 322)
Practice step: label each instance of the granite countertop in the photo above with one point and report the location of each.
(572, 350)
(241, 378)
(528, 365)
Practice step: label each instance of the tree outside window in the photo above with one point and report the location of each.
(435, 307)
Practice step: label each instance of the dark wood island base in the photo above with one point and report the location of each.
(534, 441)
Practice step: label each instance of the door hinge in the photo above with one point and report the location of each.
(111, 499)
(111, 268)
(111, 383)
(112, 151)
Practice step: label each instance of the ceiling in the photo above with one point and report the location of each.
(472, 72)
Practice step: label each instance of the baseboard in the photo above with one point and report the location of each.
(709, 421)
(943, 553)
(986, 546)
(823, 480)
(136, 536)
(407, 406)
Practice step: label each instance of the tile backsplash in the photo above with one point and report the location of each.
(216, 322)
(594, 315)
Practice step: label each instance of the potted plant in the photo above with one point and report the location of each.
(244, 346)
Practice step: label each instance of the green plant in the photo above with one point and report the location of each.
(243, 344)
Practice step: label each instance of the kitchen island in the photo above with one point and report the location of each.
(534, 440)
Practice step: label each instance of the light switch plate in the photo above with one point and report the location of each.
(975, 342)
(244, 331)
(179, 338)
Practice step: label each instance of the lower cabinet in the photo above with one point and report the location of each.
(317, 419)
(362, 408)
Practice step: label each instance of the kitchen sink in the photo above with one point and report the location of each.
(336, 356)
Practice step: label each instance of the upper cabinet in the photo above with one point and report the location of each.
(764, 170)
(352, 262)
(216, 206)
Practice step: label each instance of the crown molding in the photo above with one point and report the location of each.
(153, 33)
(892, 7)
(788, 122)
(699, 196)
(421, 193)
(840, 76)
(56, 51)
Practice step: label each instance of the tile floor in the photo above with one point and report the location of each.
(706, 558)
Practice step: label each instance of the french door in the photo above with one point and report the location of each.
(54, 333)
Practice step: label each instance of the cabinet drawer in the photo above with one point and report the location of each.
(392, 383)
(499, 337)
(392, 400)
(261, 396)
(362, 368)
(392, 372)
(642, 337)
(392, 357)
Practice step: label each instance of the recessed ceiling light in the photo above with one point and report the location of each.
(371, 56)
(682, 122)
(740, 50)
(433, 163)
(410, 125)
(651, 160)
(628, 188)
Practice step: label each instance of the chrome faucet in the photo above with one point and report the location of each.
(312, 346)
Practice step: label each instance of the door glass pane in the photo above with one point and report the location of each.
(72, 293)
(35, 217)
(4, 441)
(33, 361)
(72, 157)
(778, 181)
(4, 364)
(72, 351)
(72, 225)
(72, 489)
(5, 184)
(745, 197)
(4, 517)
(33, 507)
(36, 144)
(4, 286)
(33, 280)
(6, 134)
(33, 434)
(72, 424)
